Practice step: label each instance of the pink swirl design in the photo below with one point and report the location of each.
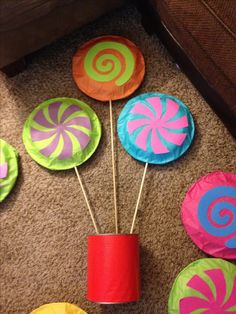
(158, 124)
(3, 170)
(210, 303)
(3, 166)
(63, 127)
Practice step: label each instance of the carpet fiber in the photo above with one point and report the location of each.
(44, 222)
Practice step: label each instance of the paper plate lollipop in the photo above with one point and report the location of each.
(204, 286)
(109, 68)
(58, 308)
(209, 214)
(155, 128)
(8, 169)
(62, 133)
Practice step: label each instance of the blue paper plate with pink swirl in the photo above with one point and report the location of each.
(156, 128)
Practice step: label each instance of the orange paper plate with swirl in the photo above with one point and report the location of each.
(108, 68)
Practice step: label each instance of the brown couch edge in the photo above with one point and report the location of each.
(153, 24)
(14, 61)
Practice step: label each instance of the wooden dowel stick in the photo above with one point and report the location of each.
(113, 167)
(139, 197)
(86, 200)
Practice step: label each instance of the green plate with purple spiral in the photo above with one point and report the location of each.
(61, 133)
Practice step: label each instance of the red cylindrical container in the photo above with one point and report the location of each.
(113, 268)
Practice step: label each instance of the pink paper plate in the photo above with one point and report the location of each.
(209, 214)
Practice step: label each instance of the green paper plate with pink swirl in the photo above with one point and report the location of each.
(206, 286)
(8, 168)
(61, 133)
(155, 128)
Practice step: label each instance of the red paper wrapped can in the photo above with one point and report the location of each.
(113, 268)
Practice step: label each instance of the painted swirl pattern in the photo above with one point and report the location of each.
(211, 300)
(108, 68)
(60, 130)
(8, 168)
(3, 166)
(153, 128)
(209, 214)
(61, 133)
(109, 61)
(217, 213)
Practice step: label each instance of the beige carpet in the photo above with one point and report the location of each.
(44, 222)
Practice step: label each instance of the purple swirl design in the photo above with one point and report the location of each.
(63, 126)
